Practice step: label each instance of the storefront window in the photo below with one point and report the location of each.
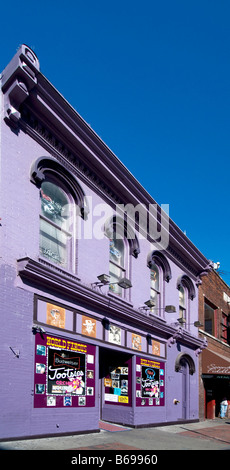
(64, 373)
(116, 370)
(150, 380)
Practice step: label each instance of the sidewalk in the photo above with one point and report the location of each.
(204, 435)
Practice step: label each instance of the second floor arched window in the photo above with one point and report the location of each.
(160, 272)
(56, 229)
(187, 293)
(117, 265)
(62, 201)
(182, 304)
(155, 288)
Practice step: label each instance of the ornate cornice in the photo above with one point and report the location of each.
(72, 160)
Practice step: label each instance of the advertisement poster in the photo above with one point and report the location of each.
(88, 326)
(55, 316)
(150, 382)
(64, 372)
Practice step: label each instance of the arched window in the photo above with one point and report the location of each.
(62, 200)
(182, 305)
(160, 272)
(187, 293)
(155, 288)
(117, 265)
(122, 246)
(56, 231)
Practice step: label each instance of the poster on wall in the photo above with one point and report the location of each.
(114, 334)
(55, 315)
(68, 366)
(64, 372)
(88, 327)
(150, 382)
(136, 342)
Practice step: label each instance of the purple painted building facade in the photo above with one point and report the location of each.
(76, 348)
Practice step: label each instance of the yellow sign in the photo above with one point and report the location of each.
(64, 344)
(148, 363)
(123, 399)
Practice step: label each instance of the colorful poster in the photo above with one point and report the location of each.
(55, 316)
(136, 342)
(156, 348)
(150, 382)
(114, 334)
(88, 326)
(64, 372)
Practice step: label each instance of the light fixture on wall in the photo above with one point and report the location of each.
(124, 283)
(197, 324)
(38, 329)
(104, 279)
(170, 309)
(151, 304)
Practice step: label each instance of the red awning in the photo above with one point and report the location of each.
(214, 363)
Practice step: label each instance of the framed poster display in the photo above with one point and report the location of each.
(64, 372)
(150, 382)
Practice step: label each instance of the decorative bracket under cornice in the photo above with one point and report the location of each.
(177, 335)
(18, 79)
(202, 346)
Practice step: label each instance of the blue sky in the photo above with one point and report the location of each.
(152, 79)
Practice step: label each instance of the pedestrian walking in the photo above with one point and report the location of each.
(223, 407)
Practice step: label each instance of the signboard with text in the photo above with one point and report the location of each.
(150, 382)
(64, 372)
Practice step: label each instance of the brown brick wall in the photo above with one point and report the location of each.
(212, 289)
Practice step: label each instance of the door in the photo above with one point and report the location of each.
(185, 388)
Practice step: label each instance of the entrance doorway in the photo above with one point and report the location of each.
(216, 388)
(185, 388)
(186, 366)
(115, 390)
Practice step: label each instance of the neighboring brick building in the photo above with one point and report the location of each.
(214, 312)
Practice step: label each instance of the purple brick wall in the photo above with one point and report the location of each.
(20, 206)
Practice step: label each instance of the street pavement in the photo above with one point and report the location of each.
(204, 435)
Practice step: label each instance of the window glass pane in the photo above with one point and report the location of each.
(54, 203)
(53, 243)
(181, 297)
(154, 273)
(116, 251)
(155, 297)
(115, 274)
(209, 319)
(182, 313)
